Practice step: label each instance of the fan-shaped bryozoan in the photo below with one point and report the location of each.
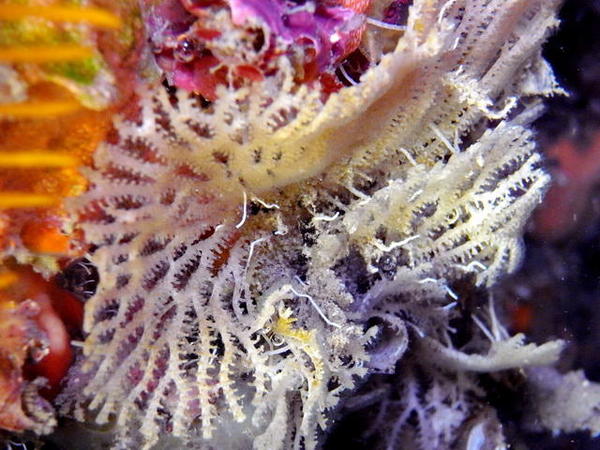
(261, 253)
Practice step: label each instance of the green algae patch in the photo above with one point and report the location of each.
(82, 72)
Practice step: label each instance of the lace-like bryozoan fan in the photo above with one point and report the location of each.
(243, 245)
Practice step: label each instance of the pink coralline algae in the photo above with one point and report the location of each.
(202, 44)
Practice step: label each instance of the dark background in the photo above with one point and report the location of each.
(556, 293)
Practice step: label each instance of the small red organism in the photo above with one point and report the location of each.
(521, 317)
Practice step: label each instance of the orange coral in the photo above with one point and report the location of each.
(76, 134)
(47, 134)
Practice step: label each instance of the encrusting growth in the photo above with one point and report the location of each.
(261, 253)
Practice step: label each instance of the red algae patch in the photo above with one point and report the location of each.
(232, 42)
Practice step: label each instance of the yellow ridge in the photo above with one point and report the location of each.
(44, 53)
(38, 109)
(25, 200)
(33, 159)
(91, 16)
